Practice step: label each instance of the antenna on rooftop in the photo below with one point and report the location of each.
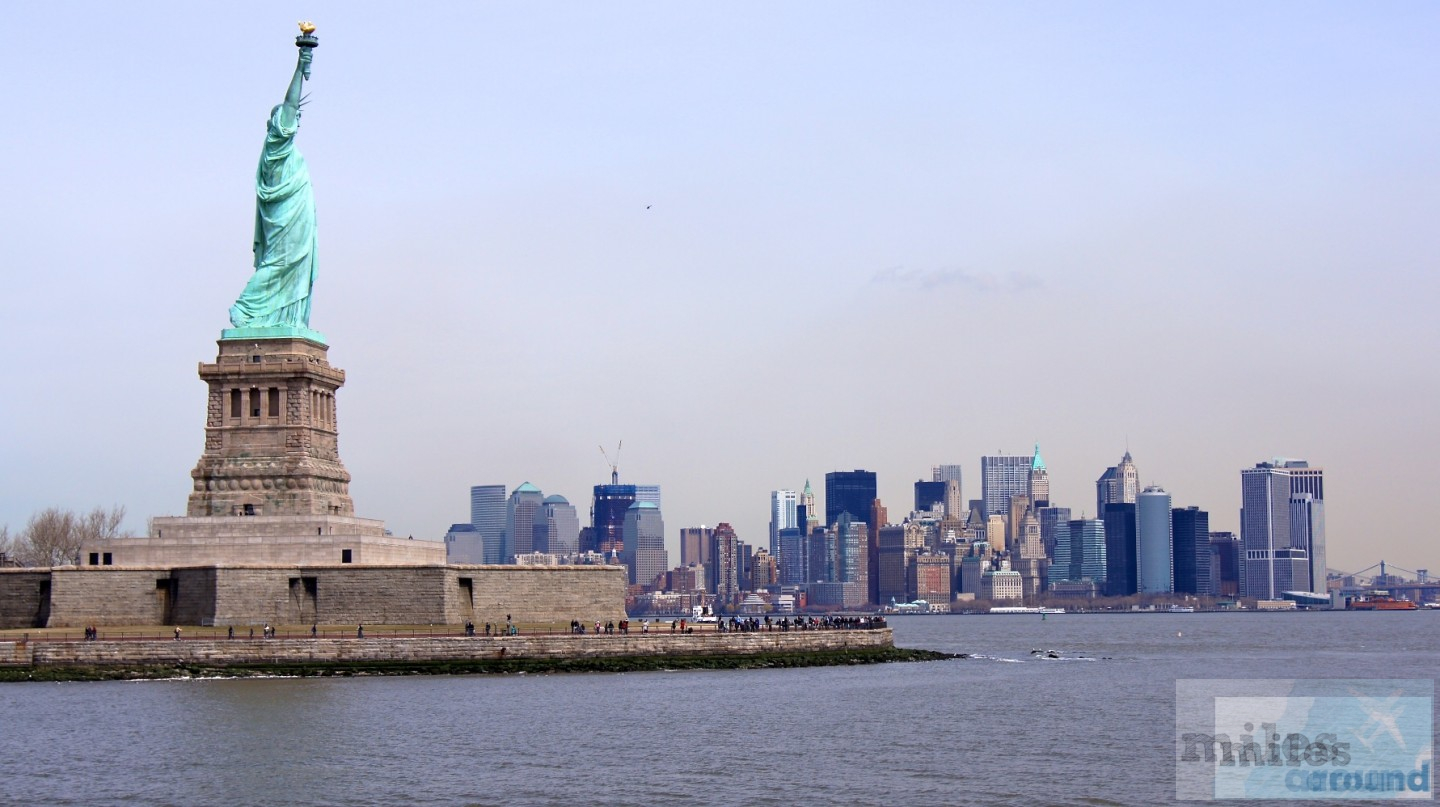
(613, 463)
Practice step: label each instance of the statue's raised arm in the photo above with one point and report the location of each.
(277, 298)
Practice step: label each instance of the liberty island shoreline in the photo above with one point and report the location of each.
(404, 655)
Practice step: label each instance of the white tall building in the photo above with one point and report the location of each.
(782, 516)
(1282, 529)
(1155, 556)
(1307, 518)
(1001, 479)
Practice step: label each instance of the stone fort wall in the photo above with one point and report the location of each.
(220, 652)
(330, 595)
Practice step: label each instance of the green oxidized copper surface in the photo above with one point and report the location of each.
(276, 300)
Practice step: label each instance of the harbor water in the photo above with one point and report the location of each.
(1006, 726)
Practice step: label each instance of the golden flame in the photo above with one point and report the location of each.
(306, 27)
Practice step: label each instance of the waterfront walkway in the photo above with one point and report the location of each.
(656, 626)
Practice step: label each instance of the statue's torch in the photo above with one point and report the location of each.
(307, 42)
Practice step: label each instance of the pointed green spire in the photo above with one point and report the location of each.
(1039, 463)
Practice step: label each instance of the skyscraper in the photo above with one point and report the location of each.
(463, 544)
(557, 527)
(725, 567)
(783, 504)
(1019, 506)
(821, 556)
(1154, 543)
(950, 474)
(644, 543)
(1279, 555)
(1029, 558)
(811, 518)
(898, 546)
(487, 516)
(607, 517)
(852, 551)
(848, 492)
(1191, 529)
(945, 473)
(520, 513)
(648, 493)
(1224, 564)
(695, 545)
(954, 504)
(1307, 518)
(1121, 572)
(1039, 481)
(792, 561)
(1050, 519)
(879, 517)
(1120, 484)
(1001, 478)
(1079, 551)
(929, 495)
(995, 533)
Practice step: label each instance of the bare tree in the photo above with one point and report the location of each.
(4, 542)
(50, 539)
(53, 537)
(100, 524)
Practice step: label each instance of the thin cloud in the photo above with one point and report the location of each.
(926, 280)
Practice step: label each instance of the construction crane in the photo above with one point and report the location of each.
(613, 463)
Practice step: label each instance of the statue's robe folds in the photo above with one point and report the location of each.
(285, 255)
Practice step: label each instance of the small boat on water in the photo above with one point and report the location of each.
(1379, 601)
(1018, 609)
(1181, 609)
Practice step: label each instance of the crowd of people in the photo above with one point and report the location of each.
(733, 624)
(736, 624)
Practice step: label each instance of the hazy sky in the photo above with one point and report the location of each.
(755, 241)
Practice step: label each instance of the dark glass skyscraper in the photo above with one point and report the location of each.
(607, 517)
(1122, 573)
(1079, 551)
(850, 492)
(1191, 529)
(928, 494)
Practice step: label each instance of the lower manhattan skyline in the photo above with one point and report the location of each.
(757, 245)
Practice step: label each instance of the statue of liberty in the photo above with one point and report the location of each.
(277, 298)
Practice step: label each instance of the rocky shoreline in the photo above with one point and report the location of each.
(154, 659)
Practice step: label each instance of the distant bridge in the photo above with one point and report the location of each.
(1419, 587)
